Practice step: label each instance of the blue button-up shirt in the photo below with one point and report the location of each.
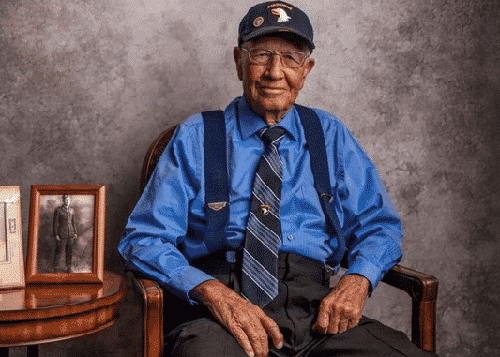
(165, 230)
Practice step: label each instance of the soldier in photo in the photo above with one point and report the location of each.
(65, 234)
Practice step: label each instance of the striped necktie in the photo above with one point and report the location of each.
(262, 240)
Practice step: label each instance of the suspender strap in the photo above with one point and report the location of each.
(216, 181)
(315, 139)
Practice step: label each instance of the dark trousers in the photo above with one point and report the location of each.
(64, 247)
(303, 284)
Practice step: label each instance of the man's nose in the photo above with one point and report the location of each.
(275, 67)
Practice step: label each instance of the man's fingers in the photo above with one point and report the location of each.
(273, 331)
(258, 339)
(343, 324)
(353, 323)
(251, 338)
(341, 309)
(242, 339)
(333, 325)
(323, 319)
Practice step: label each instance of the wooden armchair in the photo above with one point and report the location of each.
(422, 288)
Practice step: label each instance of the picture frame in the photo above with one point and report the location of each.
(11, 240)
(66, 234)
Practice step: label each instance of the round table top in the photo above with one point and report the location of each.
(45, 301)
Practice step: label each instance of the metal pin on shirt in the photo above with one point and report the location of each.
(265, 209)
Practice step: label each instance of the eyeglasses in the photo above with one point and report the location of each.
(291, 59)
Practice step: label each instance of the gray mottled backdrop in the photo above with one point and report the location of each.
(86, 85)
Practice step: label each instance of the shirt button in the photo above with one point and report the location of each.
(290, 237)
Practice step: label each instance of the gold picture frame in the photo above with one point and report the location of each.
(11, 239)
(66, 234)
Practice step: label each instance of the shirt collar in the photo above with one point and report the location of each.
(250, 123)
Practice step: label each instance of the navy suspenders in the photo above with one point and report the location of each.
(217, 182)
(315, 140)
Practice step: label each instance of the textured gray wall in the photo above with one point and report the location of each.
(86, 85)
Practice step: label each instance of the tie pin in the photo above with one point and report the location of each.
(265, 209)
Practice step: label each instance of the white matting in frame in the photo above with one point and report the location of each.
(11, 251)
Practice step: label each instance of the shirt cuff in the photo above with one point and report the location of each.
(367, 269)
(190, 278)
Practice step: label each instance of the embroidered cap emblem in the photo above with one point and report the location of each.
(265, 209)
(283, 16)
(258, 21)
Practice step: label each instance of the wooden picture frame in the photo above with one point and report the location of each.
(66, 234)
(11, 239)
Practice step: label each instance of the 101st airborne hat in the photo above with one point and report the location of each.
(275, 16)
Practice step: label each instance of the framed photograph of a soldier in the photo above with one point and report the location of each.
(66, 234)
(11, 251)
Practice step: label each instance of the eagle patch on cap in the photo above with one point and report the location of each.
(258, 21)
(283, 16)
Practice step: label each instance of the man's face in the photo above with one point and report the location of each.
(66, 200)
(272, 88)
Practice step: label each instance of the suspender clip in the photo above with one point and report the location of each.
(332, 270)
(217, 206)
(327, 197)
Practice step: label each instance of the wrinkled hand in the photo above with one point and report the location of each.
(341, 309)
(247, 322)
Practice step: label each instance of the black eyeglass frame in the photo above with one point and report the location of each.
(252, 60)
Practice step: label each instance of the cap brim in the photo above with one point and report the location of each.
(275, 29)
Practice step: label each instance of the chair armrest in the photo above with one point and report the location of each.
(423, 290)
(152, 309)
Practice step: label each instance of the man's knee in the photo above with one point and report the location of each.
(201, 337)
(369, 339)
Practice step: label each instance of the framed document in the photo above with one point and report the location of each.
(11, 241)
(66, 234)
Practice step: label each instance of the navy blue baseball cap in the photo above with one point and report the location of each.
(272, 17)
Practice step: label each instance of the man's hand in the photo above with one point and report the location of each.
(247, 322)
(341, 309)
(58, 238)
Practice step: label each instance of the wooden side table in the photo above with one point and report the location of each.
(47, 313)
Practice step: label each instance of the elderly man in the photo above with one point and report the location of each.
(300, 193)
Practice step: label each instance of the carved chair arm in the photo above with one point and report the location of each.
(423, 290)
(152, 309)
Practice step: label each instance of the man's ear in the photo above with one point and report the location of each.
(237, 61)
(308, 66)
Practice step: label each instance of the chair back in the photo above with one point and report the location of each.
(153, 155)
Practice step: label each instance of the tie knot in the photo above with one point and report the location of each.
(272, 134)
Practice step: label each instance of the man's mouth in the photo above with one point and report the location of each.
(271, 91)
